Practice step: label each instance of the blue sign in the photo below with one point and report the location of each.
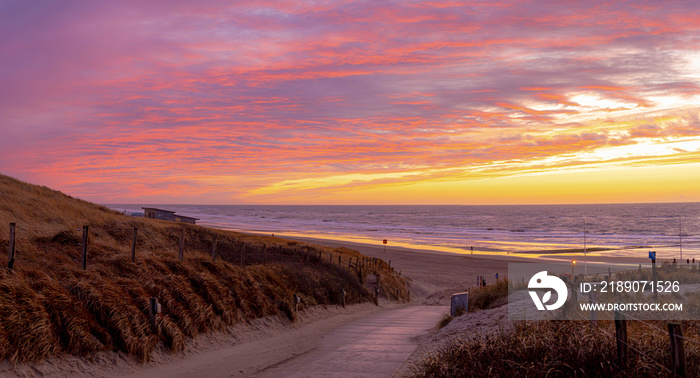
(652, 255)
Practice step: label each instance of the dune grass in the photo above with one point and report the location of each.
(50, 306)
(559, 349)
(490, 296)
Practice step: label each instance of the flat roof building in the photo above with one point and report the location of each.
(167, 215)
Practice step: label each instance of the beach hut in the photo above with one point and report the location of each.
(167, 215)
(153, 213)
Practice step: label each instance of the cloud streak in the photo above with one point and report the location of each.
(220, 101)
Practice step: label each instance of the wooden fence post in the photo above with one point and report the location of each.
(678, 367)
(133, 245)
(85, 241)
(339, 260)
(376, 295)
(594, 313)
(621, 336)
(330, 258)
(213, 250)
(350, 263)
(11, 251)
(153, 310)
(181, 251)
(344, 298)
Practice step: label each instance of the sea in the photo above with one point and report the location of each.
(620, 229)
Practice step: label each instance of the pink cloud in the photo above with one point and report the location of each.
(96, 96)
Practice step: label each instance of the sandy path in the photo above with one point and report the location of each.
(375, 345)
(242, 360)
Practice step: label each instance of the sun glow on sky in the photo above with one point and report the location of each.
(353, 102)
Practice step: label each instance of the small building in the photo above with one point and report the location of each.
(153, 213)
(167, 215)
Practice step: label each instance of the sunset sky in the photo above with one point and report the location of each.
(353, 102)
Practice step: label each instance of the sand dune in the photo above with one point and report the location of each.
(246, 349)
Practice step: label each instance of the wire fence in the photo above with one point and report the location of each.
(235, 252)
(674, 332)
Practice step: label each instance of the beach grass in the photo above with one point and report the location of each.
(50, 306)
(560, 349)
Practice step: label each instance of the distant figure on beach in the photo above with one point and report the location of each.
(483, 282)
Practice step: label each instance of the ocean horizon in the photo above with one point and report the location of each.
(621, 229)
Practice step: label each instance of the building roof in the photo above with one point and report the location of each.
(153, 208)
(184, 216)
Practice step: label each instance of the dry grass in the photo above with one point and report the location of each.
(558, 349)
(49, 306)
(490, 296)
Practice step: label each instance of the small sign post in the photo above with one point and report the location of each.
(385, 241)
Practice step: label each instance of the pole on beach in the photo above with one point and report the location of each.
(585, 256)
(11, 252)
(680, 236)
(654, 277)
